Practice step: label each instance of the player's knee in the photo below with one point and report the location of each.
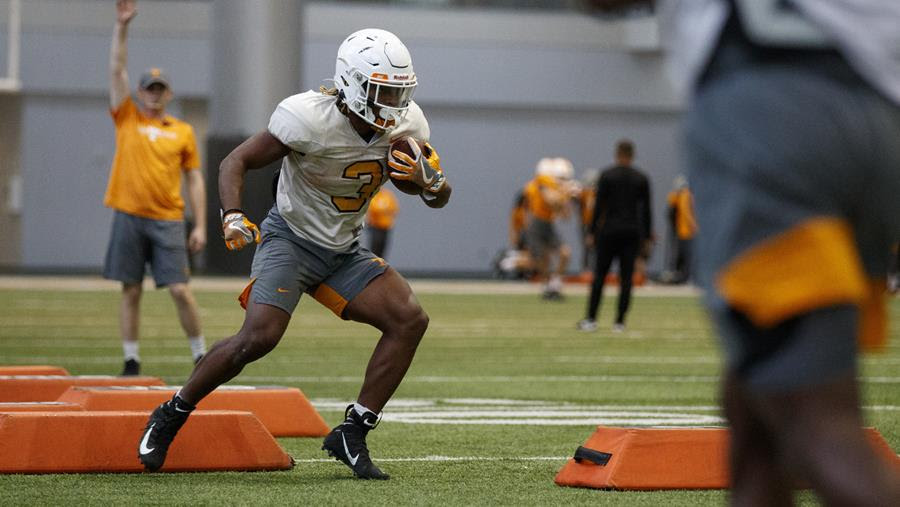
(132, 292)
(180, 292)
(253, 344)
(412, 321)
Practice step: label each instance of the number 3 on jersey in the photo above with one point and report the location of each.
(359, 171)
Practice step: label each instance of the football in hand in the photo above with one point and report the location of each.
(403, 145)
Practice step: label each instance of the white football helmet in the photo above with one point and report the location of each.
(545, 167)
(374, 75)
(563, 169)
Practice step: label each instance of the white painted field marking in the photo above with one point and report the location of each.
(471, 411)
(486, 411)
(434, 379)
(636, 360)
(448, 458)
(179, 344)
(20, 360)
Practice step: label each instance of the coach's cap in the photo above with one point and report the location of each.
(154, 76)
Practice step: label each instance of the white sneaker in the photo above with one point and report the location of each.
(618, 328)
(586, 325)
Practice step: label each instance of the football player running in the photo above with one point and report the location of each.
(334, 144)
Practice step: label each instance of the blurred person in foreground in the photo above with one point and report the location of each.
(619, 229)
(791, 137)
(380, 220)
(333, 144)
(547, 198)
(153, 149)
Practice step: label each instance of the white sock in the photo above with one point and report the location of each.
(555, 283)
(360, 410)
(131, 351)
(198, 346)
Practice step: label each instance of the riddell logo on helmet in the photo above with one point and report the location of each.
(402, 77)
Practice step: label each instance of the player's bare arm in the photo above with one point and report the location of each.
(197, 193)
(126, 10)
(258, 151)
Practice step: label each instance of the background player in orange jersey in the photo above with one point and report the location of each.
(547, 198)
(153, 149)
(380, 220)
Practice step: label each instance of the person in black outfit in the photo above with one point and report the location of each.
(620, 225)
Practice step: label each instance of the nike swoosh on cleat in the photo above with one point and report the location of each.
(350, 457)
(144, 450)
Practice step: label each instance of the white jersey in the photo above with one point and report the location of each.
(331, 173)
(867, 33)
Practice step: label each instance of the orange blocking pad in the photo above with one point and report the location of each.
(64, 442)
(33, 370)
(664, 458)
(284, 411)
(40, 406)
(50, 387)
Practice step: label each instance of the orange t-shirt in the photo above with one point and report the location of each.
(685, 223)
(382, 210)
(534, 197)
(588, 196)
(145, 179)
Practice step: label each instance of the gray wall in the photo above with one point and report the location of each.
(501, 90)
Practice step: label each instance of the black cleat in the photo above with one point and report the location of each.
(161, 428)
(347, 444)
(552, 295)
(131, 369)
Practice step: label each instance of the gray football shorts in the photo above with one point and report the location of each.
(136, 241)
(286, 265)
(795, 168)
(541, 236)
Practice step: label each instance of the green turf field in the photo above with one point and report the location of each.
(531, 389)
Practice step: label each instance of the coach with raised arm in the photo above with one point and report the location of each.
(153, 149)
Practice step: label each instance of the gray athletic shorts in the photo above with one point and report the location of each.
(136, 241)
(286, 265)
(541, 236)
(795, 168)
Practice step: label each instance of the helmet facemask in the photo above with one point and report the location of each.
(381, 102)
(375, 77)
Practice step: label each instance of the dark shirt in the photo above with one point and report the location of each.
(623, 203)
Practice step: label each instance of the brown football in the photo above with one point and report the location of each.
(402, 145)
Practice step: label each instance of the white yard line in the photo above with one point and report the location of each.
(430, 379)
(447, 459)
(586, 421)
(180, 343)
(236, 284)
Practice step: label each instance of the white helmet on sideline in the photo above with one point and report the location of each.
(375, 78)
(545, 167)
(563, 169)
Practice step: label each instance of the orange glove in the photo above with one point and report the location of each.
(424, 170)
(238, 231)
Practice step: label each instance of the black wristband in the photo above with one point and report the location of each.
(232, 210)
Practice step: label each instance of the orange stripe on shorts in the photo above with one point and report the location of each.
(330, 299)
(813, 265)
(245, 294)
